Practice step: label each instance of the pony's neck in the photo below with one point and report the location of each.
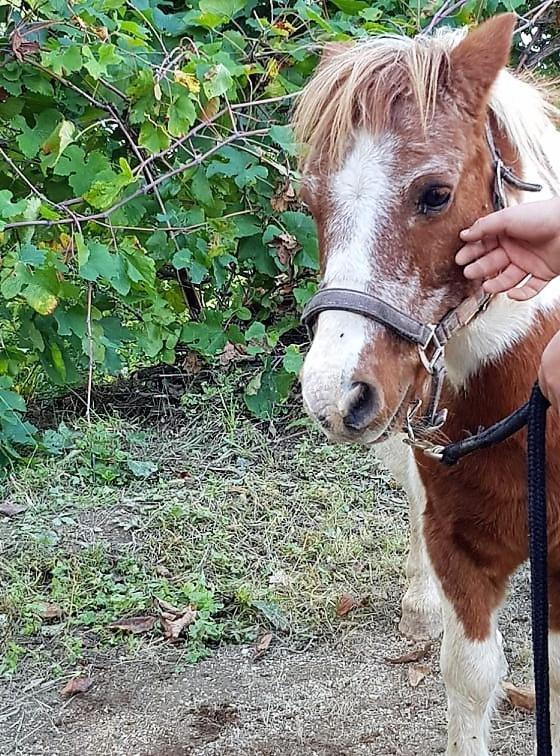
(523, 115)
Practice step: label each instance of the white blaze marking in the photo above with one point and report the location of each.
(361, 193)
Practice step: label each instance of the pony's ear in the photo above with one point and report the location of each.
(478, 59)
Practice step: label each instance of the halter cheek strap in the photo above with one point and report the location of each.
(431, 339)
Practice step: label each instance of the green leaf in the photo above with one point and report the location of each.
(182, 115)
(153, 138)
(30, 139)
(56, 143)
(9, 209)
(40, 299)
(103, 194)
(141, 469)
(30, 255)
(302, 227)
(266, 390)
(221, 7)
(218, 81)
(292, 361)
(58, 361)
(352, 7)
(284, 137)
(97, 64)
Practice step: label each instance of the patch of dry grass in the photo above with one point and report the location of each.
(272, 527)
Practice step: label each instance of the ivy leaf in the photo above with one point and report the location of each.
(182, 115)
(71, 321)
(67, 61)
(217, 81)
(240, 165)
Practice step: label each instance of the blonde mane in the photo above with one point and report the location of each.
(356, 85)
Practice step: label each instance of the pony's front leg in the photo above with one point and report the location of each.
(472, 670)
(421, 613)
(421, 609)
(554, 666)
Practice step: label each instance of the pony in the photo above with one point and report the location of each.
(402, 147)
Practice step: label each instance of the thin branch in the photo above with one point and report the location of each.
(534, 15)
(148, 187)
(545, 52)
(30, 185)
(90, 354)
(445, 11)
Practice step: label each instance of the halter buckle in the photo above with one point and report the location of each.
(434, 345)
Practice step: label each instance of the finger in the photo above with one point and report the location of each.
(490, 225)
(506, 280)
(528, 290)
(488, 266)
(471, 252)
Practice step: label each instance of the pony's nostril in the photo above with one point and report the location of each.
(361, 406)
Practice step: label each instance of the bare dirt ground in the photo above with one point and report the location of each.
(339, 699)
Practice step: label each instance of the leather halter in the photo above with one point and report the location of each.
(431, 339)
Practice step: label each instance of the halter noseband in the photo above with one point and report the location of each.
(431, 339)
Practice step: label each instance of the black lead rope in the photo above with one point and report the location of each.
(538, 551)
(532, 414)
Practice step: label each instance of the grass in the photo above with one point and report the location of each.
(255, 526)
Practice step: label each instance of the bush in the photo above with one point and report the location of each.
(147, 197)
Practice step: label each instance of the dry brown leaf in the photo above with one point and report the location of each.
(191, 364)
(231, 353)
(173, 625)
(210, 109)
(101, 32)
(262, 646)
(416, 673)
(46, 610)
(135, 625)
(165, 607)
(161, 569)
(76, 685)
(22, 46)
(284, 196)
(285, 245)
(11, 508)
(522, 697)
(416, 655)
(347, 603)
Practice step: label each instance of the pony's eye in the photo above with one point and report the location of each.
(434, 199)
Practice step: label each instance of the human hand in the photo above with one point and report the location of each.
(505, 247)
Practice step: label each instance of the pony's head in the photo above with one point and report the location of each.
(396, 163)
